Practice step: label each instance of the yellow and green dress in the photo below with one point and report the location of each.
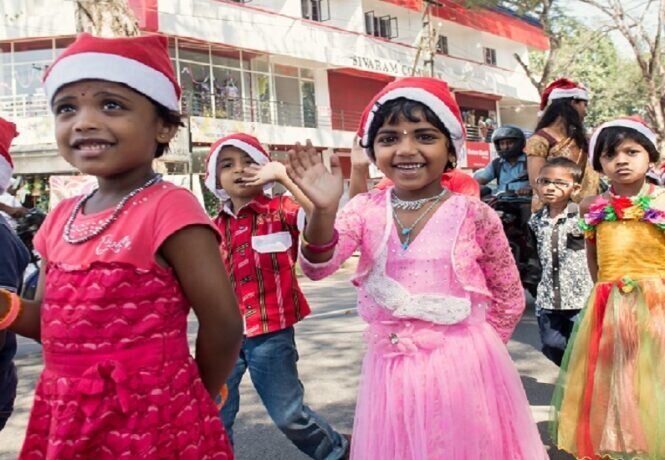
(609, 402)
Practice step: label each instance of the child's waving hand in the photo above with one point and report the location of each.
(306, 168)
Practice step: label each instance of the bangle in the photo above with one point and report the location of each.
(13, 312)
(223, 396)
(320, 248)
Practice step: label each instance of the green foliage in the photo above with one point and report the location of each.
(581, 54)
(210, 201)
(590, 57)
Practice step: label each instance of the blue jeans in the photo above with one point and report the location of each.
(271, 360)
(555, 327)
(8, 379)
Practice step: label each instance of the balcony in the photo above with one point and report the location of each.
(23, 106)
(277, 113)
(35, 121)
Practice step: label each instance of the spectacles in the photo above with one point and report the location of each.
(560, 184)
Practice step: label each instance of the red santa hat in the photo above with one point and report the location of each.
(245, 142)
(7, 134)
(142, 63)
(430, 92)
(633, 122)
(562, 89)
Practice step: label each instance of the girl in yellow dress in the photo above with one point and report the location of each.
(610, 399)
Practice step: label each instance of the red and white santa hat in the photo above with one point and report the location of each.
(633, 122)
(245, 142)
(430, 92)
(7, 134)
(142, 63)
(562, 89)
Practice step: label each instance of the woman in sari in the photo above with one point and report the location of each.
(560, 133)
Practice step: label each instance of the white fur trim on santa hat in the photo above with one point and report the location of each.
(435, 104)
(624, 123)
(575, 93)
(105, 66)
(255, 154)
(6, 171)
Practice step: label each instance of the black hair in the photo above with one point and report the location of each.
(574, 126)
(407, 109)
(563, 162)
(170, 118)
(610, 138)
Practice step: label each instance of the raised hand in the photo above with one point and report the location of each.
(359, 158)
(255, 175)
(306, 168)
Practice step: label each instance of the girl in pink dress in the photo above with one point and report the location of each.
(122, 266)
(437, 286)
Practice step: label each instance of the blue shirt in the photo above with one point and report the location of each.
(507, 175)
(14, 258)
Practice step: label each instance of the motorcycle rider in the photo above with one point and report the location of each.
(513, 198)
(509, 168)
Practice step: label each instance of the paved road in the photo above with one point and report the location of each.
(330, 347)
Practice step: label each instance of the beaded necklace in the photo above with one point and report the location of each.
(406, 231)
(106, 223)
(413, 205)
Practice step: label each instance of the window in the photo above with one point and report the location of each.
(316, 10)
(442, 44)
(490, 56)
(384, 26)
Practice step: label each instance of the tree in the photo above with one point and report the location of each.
(582, 54)
(590, 56)
(106, 18)
(642, 27)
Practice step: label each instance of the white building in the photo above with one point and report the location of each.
(284, 70)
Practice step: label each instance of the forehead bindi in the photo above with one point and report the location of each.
(85, 88)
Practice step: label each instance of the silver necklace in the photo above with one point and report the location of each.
(106, 223)
(406, 231)
(413, 205)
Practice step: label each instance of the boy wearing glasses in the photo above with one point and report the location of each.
(565, 282)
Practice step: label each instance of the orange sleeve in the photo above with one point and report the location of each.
(383, 184)
(462, 183)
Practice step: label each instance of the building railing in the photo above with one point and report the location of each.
(23, 106)
(225, 108)
(475, 134)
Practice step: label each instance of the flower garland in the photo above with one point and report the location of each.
(621, 208)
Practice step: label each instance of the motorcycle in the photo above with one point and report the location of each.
(514, 211)
(26, 229)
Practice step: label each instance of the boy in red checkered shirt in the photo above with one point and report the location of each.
(259, 246)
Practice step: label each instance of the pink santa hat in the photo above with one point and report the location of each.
(7, 134)
(633, 122)
(142, 63)
(432, 93)
(245, 142)
(561, 89)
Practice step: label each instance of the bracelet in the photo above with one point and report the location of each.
(320, 248)
(13, 312)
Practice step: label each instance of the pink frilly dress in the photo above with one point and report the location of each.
(437, 380)
(118, 379)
